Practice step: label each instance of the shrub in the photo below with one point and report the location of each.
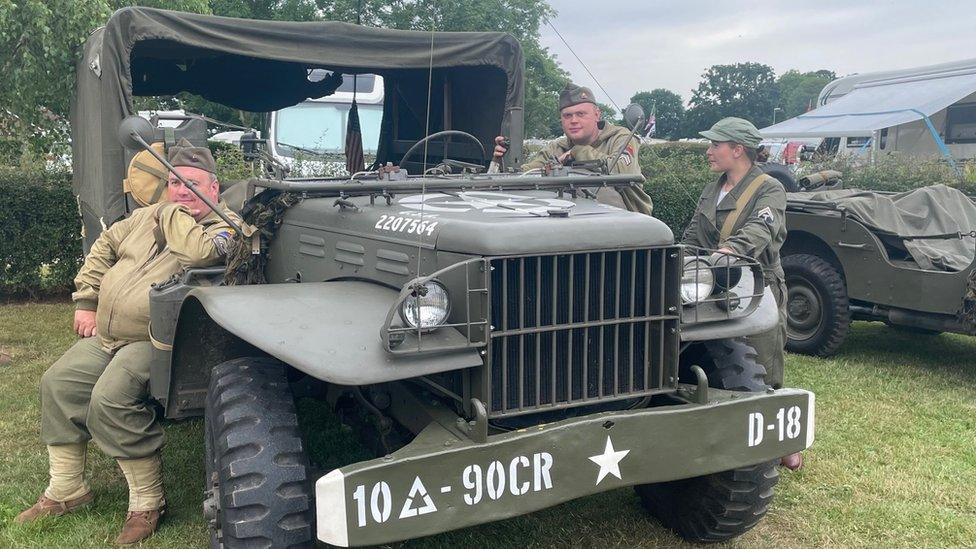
(40, 240)
(899, 173)
(676, 174)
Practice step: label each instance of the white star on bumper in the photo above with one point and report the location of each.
(609, 461)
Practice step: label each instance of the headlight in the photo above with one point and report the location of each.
(697, 281)
(427, 307)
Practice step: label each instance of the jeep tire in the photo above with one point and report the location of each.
(817, 309)
(723, 505)
(257, 486)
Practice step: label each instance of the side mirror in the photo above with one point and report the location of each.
(633, 116)
(132, 126)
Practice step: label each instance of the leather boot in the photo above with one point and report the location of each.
(47, 507)
(67, 489)
(792, 461)
(139, 525)
(146, 502)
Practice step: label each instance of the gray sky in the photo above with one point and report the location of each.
(633, 45)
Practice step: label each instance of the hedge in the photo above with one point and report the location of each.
(40, 240)
(40, 244)
(676, 174)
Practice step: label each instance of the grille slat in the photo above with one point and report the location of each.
(574, 329)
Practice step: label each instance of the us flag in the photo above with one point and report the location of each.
(354, 142)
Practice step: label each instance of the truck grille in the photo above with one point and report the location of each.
(575, 329)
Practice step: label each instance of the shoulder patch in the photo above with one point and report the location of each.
(220, 241)
(766, 214)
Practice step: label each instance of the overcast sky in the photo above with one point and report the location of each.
(633, 45)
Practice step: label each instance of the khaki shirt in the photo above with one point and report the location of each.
(606, 146)
(759, 232)
(127, 259)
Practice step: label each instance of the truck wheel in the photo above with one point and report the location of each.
(722, 505)
(817, 310)
(257, 488)
(730, 364)
(714, 507)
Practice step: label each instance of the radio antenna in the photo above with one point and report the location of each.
(570, 48)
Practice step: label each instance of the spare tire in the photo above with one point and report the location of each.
(782, 174)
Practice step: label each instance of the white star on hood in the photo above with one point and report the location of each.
(609, 461)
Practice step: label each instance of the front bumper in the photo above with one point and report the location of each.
(443, 482)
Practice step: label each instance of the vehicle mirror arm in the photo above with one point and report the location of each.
(624, 146)
(193, 188)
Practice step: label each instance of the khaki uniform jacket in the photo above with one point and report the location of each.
(606, 146)
(126, 260)
(759, 232)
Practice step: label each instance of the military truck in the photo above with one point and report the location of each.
(905, 259)
(505, 342)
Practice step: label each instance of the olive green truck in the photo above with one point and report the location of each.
(505, 342)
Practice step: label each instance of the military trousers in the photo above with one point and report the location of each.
(769, 345)
(90, 393)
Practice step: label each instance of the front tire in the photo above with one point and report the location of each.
(715, 507)
(723, 505)
(258, 489)
(818, 314)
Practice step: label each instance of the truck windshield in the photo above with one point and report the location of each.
(321, 127)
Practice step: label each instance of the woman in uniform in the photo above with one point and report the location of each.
(744, 213)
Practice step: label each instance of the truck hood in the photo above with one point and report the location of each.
(489, 223)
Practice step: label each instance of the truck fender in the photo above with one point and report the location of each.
(328, 330)
(764, 318)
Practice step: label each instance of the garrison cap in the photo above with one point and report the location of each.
(574, 95)
(736, 130)
(185, 154)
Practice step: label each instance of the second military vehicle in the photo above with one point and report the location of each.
(906, 259)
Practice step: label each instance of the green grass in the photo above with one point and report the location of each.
(894, 463)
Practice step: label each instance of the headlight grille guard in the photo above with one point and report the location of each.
(399, 339)
(724, 303)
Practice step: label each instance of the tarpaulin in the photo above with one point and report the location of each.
(929, 211)
(263, 66)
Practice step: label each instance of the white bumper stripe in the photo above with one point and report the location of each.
(330, 509)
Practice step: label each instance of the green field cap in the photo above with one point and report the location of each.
(574, 95)
(736, 130)
(185, 154)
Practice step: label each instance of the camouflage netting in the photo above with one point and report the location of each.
(265, 213)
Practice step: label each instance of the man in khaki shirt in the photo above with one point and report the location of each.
(99, 388)
(589, 137)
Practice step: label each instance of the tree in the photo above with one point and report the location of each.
(40, 41)
(668, 109)
(798, 91)
(607, 113)
(746, 90)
